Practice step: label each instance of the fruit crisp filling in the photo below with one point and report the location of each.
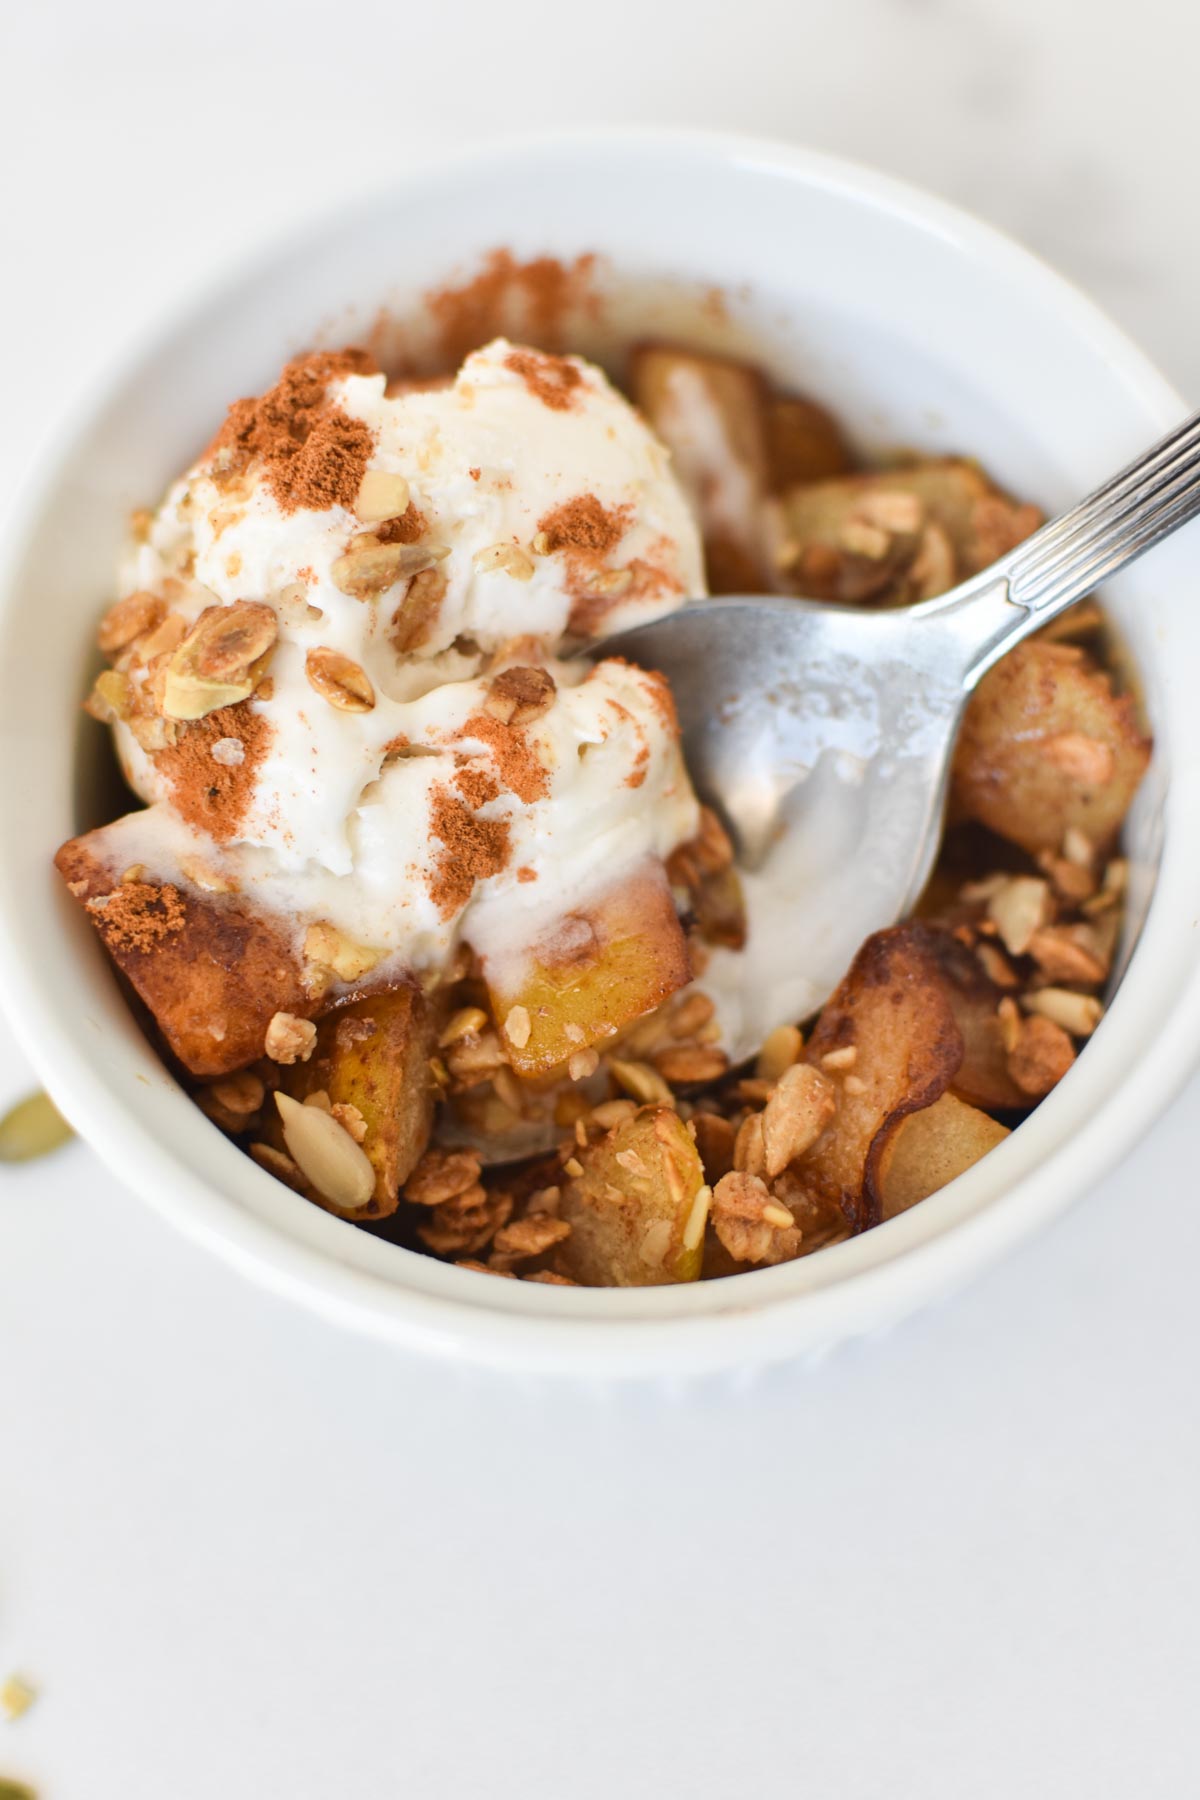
(421, 906)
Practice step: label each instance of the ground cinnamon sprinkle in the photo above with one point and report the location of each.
(313, 454)
(532, 300)
(476, 786)
(473, 850)
(213, 796)
(658, 692)
(138, 915)
(516, 760)
(409, 528)
(583, 523)
(551, 379)
(525, 873)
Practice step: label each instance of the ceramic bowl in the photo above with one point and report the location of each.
(921, 327)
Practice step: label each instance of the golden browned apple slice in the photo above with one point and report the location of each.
(888, 1038)
(596, 972)
(637, 1208)
(711, 413)
(1046, 747)
(212, 971)
(929, 1149)
(372, 1060)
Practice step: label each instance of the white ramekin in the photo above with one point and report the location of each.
(923, 327)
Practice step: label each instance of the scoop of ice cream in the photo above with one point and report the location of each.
(398, 746)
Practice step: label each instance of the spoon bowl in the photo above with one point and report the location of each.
(822, 735)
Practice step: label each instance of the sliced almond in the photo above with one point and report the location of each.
(326, 1154)
(202, 875)
(369, 568)
(381, 496)
(220, 661)
(693, 1228)
(468, 1021)
(1077, 1013)
(582, 1064)
(111, 698)
(518, 1026)
(325, 945)
(510, 559)
(609, 583)
(1019, 909)
(339, 680)
(414, 618)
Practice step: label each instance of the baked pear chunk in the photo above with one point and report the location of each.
(711, 412)
(638, 1205)
(929, 1149)
(889, 1039)
(898, 535)
(212, 971)
(597, 971)
(372, 1061)
(1047, 747)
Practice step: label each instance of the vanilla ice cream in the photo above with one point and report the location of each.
(387, 559)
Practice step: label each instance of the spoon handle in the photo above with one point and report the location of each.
(1147, 501)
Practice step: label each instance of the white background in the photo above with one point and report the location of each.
(242, 1555)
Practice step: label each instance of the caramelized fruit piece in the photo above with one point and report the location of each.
(719, 906)
(929, 1149)
(213, 972)
(804, 443)
(982, 1077)
(1046, 746)
(899, 535)
(598, 971)
(892, 1012)
(711, 414)
(637, 1210)
(374, 1056)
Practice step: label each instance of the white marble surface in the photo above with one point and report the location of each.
(243, 1555)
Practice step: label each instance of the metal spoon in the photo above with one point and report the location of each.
(823, 734)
